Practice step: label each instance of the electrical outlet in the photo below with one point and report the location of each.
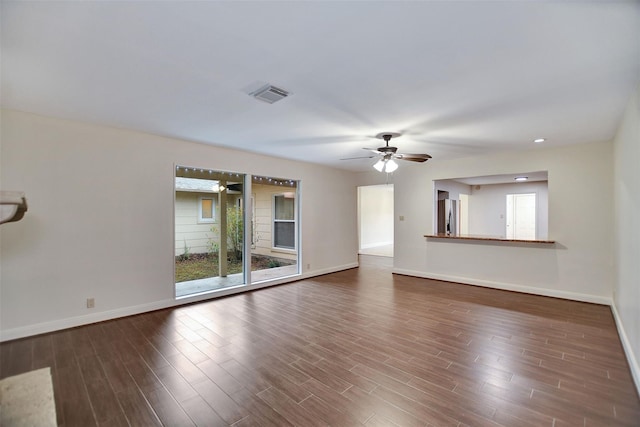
(91, 302)
(308, 266)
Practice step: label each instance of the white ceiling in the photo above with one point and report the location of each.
(456, 78)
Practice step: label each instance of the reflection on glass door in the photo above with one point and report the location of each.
(274, 234)
(209, 230)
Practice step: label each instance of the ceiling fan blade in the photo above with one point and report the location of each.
(373, 150)
(361, 157)
(413, 157)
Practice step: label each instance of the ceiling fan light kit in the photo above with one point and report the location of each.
(385, 165)
(387, 154)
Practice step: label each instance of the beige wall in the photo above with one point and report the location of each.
(100, 220)
(626, 229)
(579, 266)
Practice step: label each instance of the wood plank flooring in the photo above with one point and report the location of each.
(359, 347)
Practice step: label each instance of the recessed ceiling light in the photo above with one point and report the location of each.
(521, 178)
(539, 140)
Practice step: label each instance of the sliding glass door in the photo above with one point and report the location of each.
(275, 224)
(211, 210)
(209, 230)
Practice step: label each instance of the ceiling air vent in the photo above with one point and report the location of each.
(270, 94)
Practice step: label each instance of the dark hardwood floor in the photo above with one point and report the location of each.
(359, 347)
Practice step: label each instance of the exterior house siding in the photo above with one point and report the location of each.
(189, 231)
(263, 222)
(197, 236)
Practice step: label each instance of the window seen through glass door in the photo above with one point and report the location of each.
(284, 221)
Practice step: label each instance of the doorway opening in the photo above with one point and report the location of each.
(521, 216)
(375, 220)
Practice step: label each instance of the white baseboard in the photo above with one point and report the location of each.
(72, 322)
(626, 345)
(596, 299)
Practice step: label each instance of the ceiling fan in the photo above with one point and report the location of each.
(388, 153)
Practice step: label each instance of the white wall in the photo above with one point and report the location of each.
(375, 215)
(100, 219)
(579, 266)
(453, 187)
(487, 207)
(626, 230)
